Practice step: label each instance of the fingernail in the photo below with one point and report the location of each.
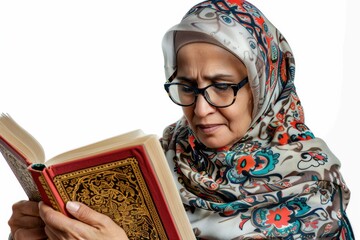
(72, 206)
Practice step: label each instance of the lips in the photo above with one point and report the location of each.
(208, 128)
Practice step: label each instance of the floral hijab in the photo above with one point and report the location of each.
(279, 180)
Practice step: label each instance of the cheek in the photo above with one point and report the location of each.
(240, 115)
(188, 113)
(246, 101)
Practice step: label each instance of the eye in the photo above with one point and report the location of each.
(221, 86)
(186, 89)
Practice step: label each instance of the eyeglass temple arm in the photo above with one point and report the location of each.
(172, 76)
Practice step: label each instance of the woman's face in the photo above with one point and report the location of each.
(202, 64)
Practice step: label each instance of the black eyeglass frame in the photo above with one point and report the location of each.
(197, 91)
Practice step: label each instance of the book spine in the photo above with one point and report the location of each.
(46, 187)
(18, 165)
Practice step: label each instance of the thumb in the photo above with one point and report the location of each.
(85, 214)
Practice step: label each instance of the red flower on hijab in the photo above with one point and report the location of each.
(245, 163)
(192, 141)
(294, 124)
(283, 71)
(283, 139)
(279, 217)
(292, 106)
(304, 137)
(236, 2)
(280, 116)
(318, 156)
(312, 224)
(280, 129)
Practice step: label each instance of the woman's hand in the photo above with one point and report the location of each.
(25, 221)
(88, 224)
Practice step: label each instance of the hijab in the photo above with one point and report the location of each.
(279, 180)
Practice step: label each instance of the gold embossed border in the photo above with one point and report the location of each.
(49, 193)
(118, 190)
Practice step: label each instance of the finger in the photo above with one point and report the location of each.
(25, 222)
(52, 217)
(101, 226)
(87, 215)
(88, 224)
(25, 234)
(61, 226)
(51, 235)
(29, 208)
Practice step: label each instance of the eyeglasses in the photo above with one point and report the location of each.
(218, 95)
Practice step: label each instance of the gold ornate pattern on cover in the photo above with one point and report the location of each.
(118, 190)
(49, 193)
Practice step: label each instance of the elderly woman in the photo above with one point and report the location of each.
(246, 165)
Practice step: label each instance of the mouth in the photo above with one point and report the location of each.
(208, 128)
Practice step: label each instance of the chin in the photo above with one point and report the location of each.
(212, 144)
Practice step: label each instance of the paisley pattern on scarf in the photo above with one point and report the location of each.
(279, 180)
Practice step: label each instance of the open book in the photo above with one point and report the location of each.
(125, 177)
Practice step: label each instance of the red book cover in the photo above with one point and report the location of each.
(121, 179)
(46, 188)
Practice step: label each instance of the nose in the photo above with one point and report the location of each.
(202, 107)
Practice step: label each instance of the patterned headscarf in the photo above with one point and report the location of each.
(279, 180)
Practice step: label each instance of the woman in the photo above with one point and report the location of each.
(246, 164)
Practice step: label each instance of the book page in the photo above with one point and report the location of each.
(23, 142)
(98, 147)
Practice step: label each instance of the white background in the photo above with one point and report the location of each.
(76, 71)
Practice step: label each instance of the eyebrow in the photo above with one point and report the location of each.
(210, 78)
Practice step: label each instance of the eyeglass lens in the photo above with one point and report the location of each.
(217, 94)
